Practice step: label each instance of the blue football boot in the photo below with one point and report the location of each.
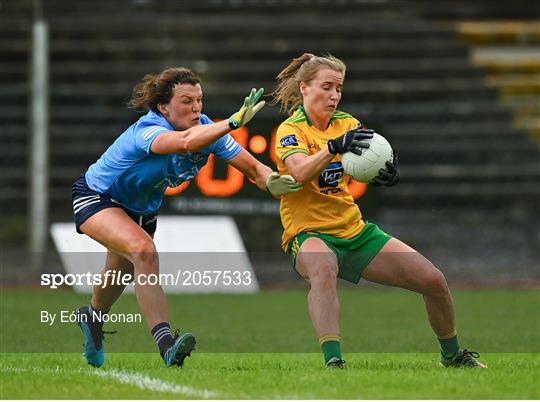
(183, 346)
(93, 337)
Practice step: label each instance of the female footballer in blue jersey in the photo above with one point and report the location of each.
(325, 234)
(116, 201)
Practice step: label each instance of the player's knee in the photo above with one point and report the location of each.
(436, 284)
(323, 274)
(146, 260)
(143, 252)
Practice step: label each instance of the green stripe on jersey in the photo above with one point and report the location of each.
(293, 151)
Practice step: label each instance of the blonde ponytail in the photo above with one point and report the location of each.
(303, 68)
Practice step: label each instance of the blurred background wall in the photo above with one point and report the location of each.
(454, 85)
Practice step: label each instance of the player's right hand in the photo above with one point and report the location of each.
(281, 184)
(389, 176)
(248, 109)
(352, 141)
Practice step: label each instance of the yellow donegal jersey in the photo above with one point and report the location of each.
(324, 205)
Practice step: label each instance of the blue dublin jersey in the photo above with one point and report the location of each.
(137, 178)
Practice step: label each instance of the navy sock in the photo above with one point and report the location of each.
(96, 314)
(96, 325)
(162, 336)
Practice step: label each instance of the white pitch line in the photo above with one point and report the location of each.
(145, 382)
(140, 381)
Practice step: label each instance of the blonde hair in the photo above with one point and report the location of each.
(303, 68)
(158, 88)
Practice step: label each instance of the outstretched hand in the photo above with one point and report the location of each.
(248, 109)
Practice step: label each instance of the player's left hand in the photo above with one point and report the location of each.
(248, 109)
(354, 141)
(279, 185)
(389, 176)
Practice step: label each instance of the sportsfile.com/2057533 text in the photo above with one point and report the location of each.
(181, 278)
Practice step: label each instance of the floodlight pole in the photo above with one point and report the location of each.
(39, 100)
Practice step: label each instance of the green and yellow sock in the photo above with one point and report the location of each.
(449, 345)
(330, 346)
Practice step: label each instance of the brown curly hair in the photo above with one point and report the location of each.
(158, 88)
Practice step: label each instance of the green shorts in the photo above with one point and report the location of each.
(353, 254)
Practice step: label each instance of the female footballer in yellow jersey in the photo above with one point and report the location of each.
(325, 234)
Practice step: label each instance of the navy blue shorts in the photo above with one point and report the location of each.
(87, 202)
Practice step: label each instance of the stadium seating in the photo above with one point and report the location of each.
(509, 52)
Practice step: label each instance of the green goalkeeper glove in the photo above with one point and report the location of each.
(248, 109)
(279, 185)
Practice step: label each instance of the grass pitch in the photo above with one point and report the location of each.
(271, 350)
(267, 376)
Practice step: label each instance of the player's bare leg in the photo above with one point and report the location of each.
(103, 297)
(399, 265)
(114, 229)
(129, 243)
(318, 265)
